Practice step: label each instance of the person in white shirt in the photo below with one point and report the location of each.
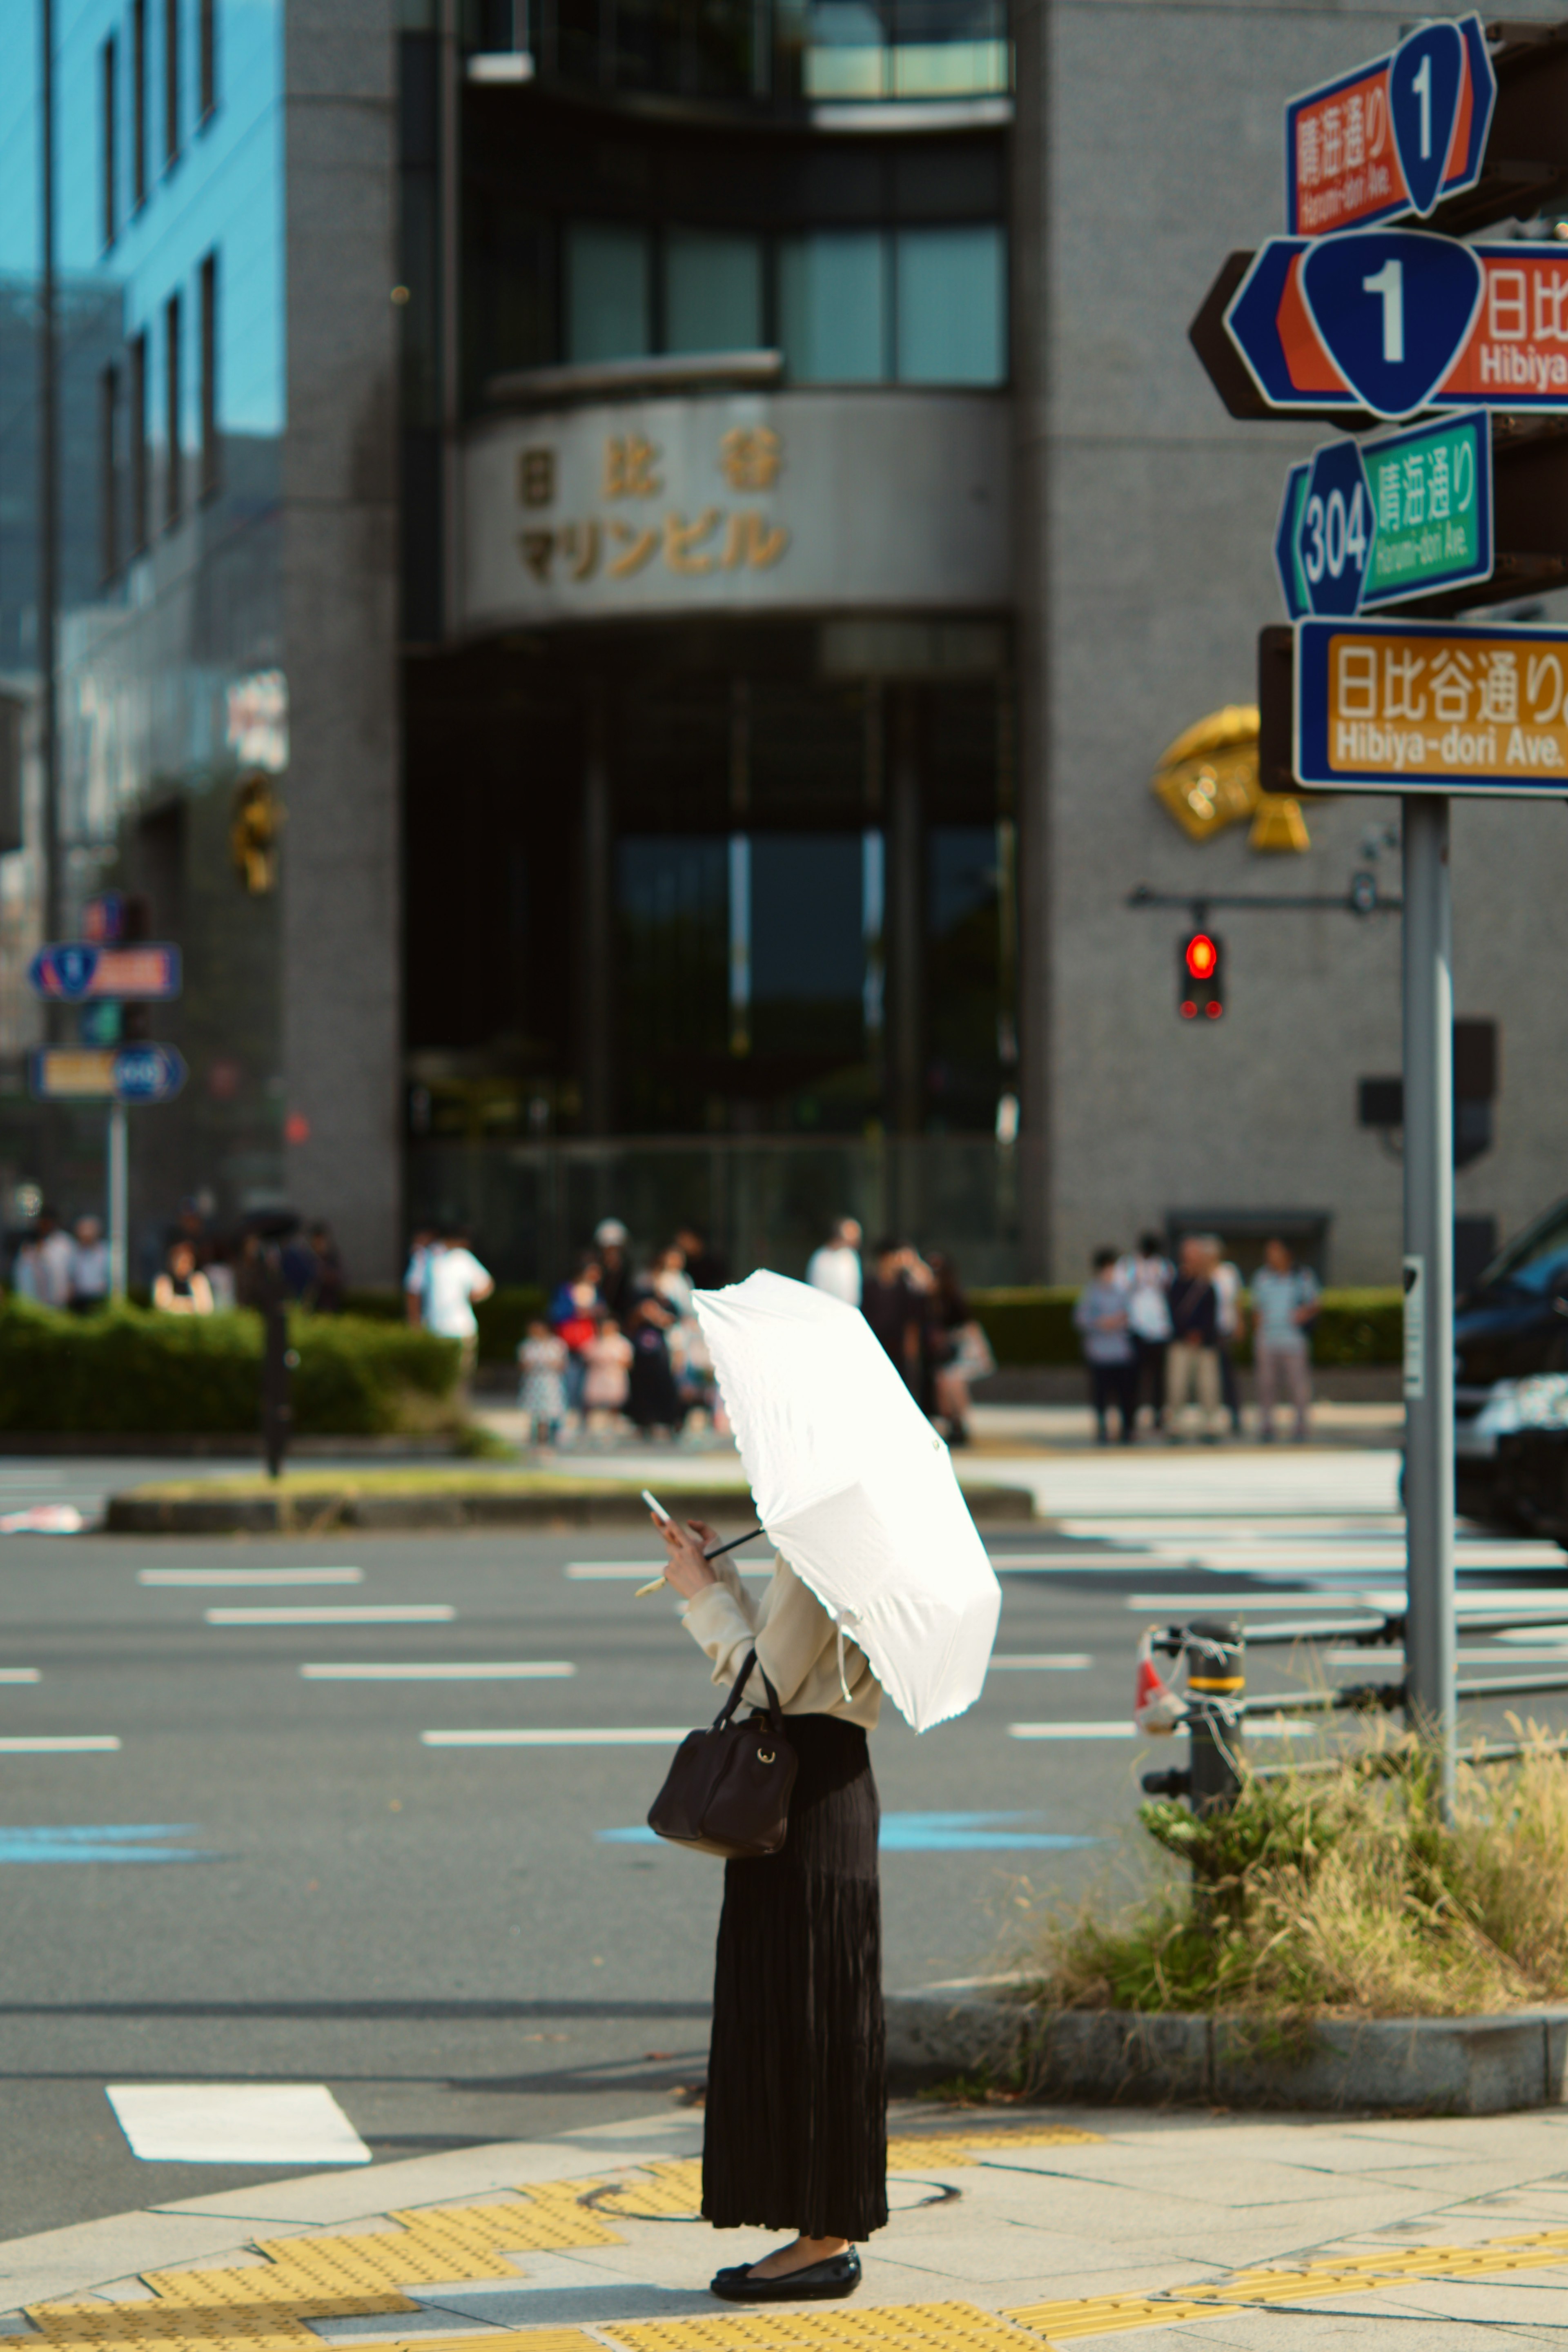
(55, 1252)
(454, 1280)
(1147, 1274)
(836, 1267)
(1228, 1289)
(420, 1250)
(89, 1267)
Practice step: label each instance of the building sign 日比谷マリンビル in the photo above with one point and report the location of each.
(790, 500)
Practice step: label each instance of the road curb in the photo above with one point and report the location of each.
(1430, 2065)
(146, 1512)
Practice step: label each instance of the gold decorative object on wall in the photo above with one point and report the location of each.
(1207, 779)
(258, 818)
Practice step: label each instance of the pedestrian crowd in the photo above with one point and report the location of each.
(917, 1308)
(1160, 1339)
(197, 1267)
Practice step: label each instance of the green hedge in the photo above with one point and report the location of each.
(502, 1318)
(131, 1371)
(1032, 1326)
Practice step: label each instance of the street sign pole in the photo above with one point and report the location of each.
(1429, 1281)
(119, 1191)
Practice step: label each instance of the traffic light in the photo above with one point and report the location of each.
(1200, 977)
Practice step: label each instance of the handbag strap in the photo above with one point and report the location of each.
(776, 1713)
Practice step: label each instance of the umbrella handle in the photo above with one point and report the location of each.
(643, 1590)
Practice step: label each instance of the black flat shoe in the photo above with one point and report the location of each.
(814, 2283)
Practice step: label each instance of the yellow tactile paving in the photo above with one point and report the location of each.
(894, 2327)
(909, 2151)
(261, 2305)
(657, 2192)
(1348, 2275)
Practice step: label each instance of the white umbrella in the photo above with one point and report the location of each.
(855, 1488)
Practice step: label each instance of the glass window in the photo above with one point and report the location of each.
(809, 944)
(713, 292)
(951, 305)
(608, 309)
(833, 307)
(845, 54)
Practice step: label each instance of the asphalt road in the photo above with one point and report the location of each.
(273, 1878)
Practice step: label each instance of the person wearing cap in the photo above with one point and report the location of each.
(610, 1239)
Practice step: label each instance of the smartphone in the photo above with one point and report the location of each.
(657, 1507)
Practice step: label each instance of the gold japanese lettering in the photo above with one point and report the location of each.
(638, 546)
(536, 548)
(681, 538)
(752, 539)
(580, 548)
(535, 477)
(629, 462)
(750, 459)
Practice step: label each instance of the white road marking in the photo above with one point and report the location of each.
(236, 2122)
(234, 1576)
(653, 1736)
(18, 1674)
(484, 1670)
(1388, 1601)
(606, 1571)
(70, 1743)
(1124, 1730)
(369, 1612)
(1064, 1662)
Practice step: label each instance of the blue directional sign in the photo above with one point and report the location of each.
(72, 971)
(1392, 308)
(1381, 521)
(1336, 529)
(148, 1074)
(1424, 82)
(1287, 543)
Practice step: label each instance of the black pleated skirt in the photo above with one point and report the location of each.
(795, 2134)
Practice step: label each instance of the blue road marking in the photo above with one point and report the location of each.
(931, 1834)
(99, 1841)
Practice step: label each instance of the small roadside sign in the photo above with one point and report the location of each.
(1372, 523)
(72, 1073)
(148, 1074)
(1393, 137)
(1431, 707)
(121, 1074)
(74, 971)
(103, 919)
(1394, 320)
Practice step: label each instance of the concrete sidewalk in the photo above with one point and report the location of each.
(1010, 2229)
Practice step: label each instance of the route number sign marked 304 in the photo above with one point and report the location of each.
(1393, 137)
(1431, 706)
(1370, 523)
(1394, 320)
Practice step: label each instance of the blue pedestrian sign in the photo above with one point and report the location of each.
(148, 1074)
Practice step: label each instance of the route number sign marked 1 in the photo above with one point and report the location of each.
(1331, 324)
(1393, 137)
(1370, 523)
(1431, 706)
(74, 971)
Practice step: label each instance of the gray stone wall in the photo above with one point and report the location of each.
(341, 947)
(1163, 136)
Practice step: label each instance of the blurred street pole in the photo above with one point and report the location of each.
(48, 489)
(119, 1191)
(1429, 1278)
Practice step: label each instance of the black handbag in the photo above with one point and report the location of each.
(728, 1790)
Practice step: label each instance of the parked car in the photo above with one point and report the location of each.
(1510, 1345)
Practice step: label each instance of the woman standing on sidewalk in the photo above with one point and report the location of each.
(794, 2135)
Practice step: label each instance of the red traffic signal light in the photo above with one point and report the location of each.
(1200, 978)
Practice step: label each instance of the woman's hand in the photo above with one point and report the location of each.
(686, 1569)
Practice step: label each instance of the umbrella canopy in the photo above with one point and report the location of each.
(855, 1488)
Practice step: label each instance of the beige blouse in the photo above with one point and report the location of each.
(795, 1640)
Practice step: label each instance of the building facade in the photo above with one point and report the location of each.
(622, 577)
